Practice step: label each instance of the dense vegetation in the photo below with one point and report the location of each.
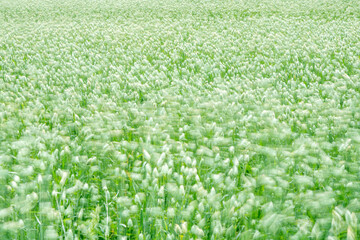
(148, 119)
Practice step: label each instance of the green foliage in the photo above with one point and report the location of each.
(179, 119)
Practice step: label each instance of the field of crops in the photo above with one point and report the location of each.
(179, 119)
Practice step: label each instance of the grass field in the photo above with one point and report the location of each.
(148, 119)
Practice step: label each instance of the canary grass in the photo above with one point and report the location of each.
(193, 119)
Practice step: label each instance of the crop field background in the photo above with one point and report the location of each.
(179, 119)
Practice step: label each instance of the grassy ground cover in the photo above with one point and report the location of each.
(148, 119)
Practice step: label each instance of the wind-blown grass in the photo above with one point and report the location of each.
(179, 119)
